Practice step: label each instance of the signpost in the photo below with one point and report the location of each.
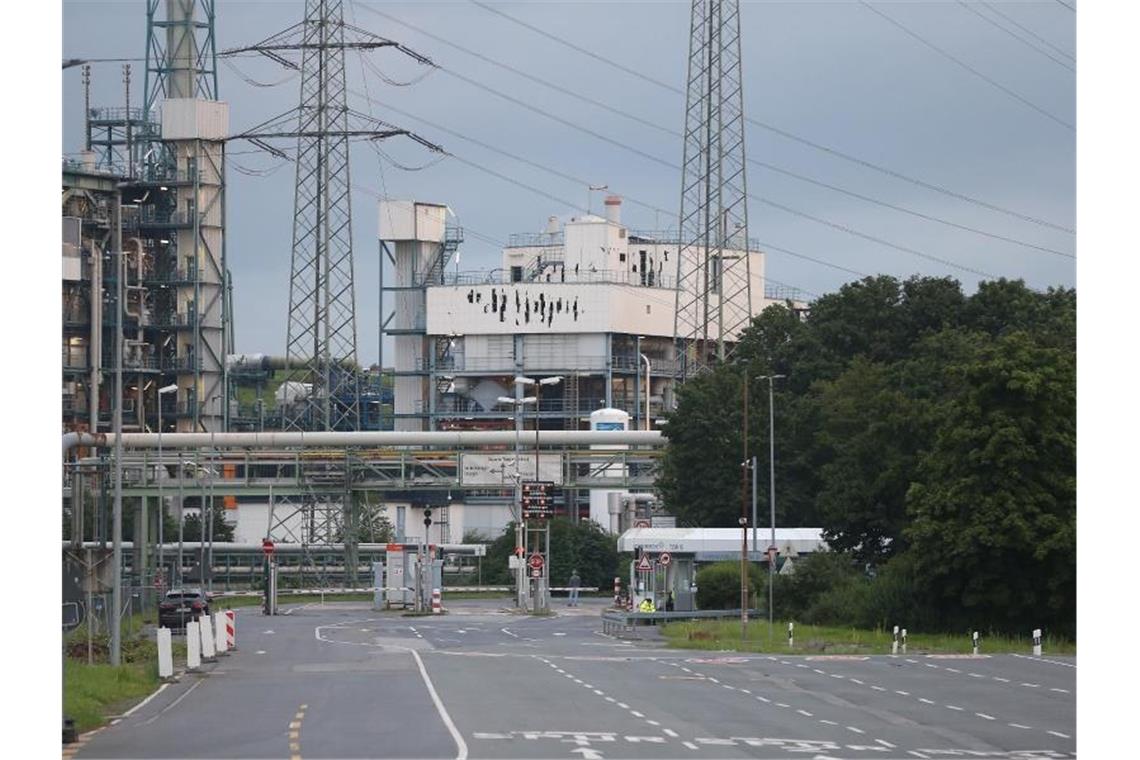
(267, 547)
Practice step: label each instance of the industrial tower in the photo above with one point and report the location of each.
(324, 390)
(714, 293)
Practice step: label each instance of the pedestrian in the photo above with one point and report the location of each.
(575, 582)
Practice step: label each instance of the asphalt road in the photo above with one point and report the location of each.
(342, 681)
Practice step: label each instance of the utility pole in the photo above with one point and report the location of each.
(744, 522)
(117, 514)
(771, 492)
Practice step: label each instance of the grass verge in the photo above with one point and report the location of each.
(719, 635)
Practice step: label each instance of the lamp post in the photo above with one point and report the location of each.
(161, 504)
(771, 490)
(117, 515)
(516, 507)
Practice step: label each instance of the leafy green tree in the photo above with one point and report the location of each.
(581, 546)
(994, 504)
(192, 528)
(718, 585)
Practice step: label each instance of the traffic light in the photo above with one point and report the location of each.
(427, 518)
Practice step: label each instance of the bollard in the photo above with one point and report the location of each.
(436, 602)
(208, 652)
(904, 641)
(165, 654)
(231, 630)
(1036, 642)
(220, 631)
(895, 641)
(791, 636)
(617, 590)
(975, 642)
(193, 646)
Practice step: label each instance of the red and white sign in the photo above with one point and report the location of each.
(519, 551)
(536, 572)
(644, 565)
(535, 561)
(231, 640)
(665, 558)
(267, 547)
(641, 524)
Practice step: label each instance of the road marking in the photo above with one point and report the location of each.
(828, 722)
(975, 675)
(461, 746)
(1062, 691)
(916, 753)
(610, 699)
(504, 630)
(1016, 725)
(1058, 733)
(671, 732)
(746, 691)
(904, 693)
(599, 692)
(690, 745)
(927, 701)
(260, 651)
(954, 707)
(836, 675)
(878, 688)
(983, 715)
(856, 730)
(953, 670)
(174, 704)
(817, 670)
(804, 712)
(1031, 685)
(636, 714)
(764, 699)
(886, 744)
(623, 705)
(559, 634)
(588, 685)
(781, 704)
(856, 680)
(1041, 659)
(653, 722)
(714, 680)
(131, 711)
(912, 661)
(999, 678)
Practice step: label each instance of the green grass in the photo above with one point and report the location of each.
(93, 692)
(721, 635)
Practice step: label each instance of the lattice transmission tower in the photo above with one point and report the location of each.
(714, 283)
(321, 333)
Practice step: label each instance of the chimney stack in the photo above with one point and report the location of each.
(613, 209)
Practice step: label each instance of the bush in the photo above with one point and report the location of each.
(718, 585)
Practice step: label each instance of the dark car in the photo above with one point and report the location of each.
(181, 606)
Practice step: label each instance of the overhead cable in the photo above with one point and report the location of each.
(1017, 37)
(933, 187)
(966, 66)
(1060, 51)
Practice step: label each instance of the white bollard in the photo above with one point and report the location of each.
(895, 641)
(904, 641)
(220, 631)
(231, 630)
(193, 646)
(436, 602)
(165, 654)
(1036, 642)
(208, 652)
(791, 635)
(975, 642)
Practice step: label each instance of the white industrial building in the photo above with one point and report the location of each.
(586, 300)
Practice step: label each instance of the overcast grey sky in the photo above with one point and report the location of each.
(835, 73)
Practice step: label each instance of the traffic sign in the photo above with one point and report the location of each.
(267, 547)
(536, 572)
(537, 499)
(519, 551)
(535, 561)
(664, 558)
(644, 565)
(641, 524)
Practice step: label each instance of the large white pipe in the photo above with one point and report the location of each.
(437, 439)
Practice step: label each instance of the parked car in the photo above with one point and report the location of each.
(181, 606)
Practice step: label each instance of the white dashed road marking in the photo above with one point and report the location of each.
(1058, 733)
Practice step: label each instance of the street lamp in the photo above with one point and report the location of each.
(771, 490)
(516, 507)
(161, 504)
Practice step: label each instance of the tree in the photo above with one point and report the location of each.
(192, 528)
(994, 505)
(581, 546)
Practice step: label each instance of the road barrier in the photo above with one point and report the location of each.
(436, 602)
(165, 654)
(617, 590)
(231, 630)
(1037, 642)
(193, 646)
(220, 631)
(208, 651)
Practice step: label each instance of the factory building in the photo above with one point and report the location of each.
(587, 300)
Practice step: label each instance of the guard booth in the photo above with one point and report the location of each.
(666, 560)
(408, 570)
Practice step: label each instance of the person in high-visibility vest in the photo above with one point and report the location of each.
(647, 605)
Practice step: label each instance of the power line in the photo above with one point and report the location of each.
(1074, 10)
(836, 153)
(1063, 53)
(666, 130)
(657, 159)
(1017, 37)
(967, 67)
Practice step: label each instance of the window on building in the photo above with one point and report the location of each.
(516, 274)
(621, 257)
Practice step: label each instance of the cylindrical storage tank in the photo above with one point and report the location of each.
(606, 419)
